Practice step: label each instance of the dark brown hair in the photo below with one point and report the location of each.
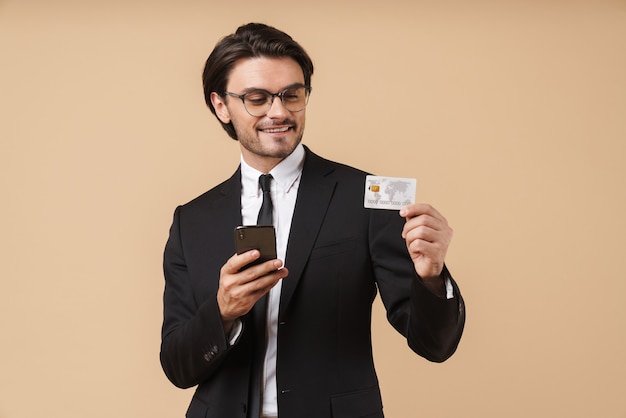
(249, 41)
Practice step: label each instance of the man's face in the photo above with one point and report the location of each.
(264, 140)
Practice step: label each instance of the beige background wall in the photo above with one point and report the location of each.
(511, 116)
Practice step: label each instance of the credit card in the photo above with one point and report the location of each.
(389, 192)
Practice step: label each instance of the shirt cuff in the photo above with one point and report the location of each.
(235, 332)
(449, 289)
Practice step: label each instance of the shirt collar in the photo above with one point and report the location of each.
(285, 173)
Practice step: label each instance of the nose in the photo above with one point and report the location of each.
(277, 109)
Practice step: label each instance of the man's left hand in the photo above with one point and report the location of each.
(427, 237)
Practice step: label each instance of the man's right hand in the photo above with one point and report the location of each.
(239, 290)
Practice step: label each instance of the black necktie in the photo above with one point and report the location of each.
(265, 214)
(260, 313)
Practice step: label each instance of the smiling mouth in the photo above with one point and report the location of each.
(276, 130)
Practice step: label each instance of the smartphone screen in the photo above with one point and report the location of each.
(256, 237)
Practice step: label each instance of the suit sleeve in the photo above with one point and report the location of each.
(193, 341)
(432, 325)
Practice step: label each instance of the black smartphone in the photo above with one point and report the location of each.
(256, 237)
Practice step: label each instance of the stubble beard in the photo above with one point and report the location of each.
(255, 146)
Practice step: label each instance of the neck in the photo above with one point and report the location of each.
(262, 163)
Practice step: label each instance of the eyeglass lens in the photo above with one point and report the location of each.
(258, 102)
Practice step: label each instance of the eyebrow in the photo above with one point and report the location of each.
(291, 86)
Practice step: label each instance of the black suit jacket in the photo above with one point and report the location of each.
(339, 254)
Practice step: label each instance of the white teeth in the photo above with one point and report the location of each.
(271, 131)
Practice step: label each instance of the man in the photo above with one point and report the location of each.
(311, 357)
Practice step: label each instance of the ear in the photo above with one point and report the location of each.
(220, 108)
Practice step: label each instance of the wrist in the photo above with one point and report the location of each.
(227, 324)
(436, 284)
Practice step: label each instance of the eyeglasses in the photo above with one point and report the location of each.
(258, 102)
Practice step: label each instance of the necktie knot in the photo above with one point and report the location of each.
(264, 182)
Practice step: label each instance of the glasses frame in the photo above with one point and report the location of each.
(280, 94)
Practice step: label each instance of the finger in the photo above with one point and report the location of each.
(424, 222)
(263, 284)
(417, 209)
(238, 261)
(428, 244)
(421, 232)
(254, 272)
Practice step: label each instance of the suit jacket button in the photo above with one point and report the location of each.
(211, 354)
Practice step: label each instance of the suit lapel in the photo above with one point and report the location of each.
(314, 195)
